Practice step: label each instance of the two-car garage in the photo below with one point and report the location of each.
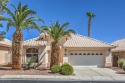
(86, 51)
(86, 58)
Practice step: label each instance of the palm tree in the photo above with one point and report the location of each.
(56, 31)
(90, 15)
(21, 19)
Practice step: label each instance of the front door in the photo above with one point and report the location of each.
(115, 61)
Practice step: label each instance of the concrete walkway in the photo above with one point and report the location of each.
(98, 74)
(85, 74)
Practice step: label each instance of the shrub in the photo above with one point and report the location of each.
(66, 69)
(31, 61)
(121, 62)
(123, 67)
(55, 69)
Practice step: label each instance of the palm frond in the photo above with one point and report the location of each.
(5, 19)
(19, 6)
(21, 18)
(10, 13)
(71, 31)
(25, 7)
(1, 25)
(2, 33)
(57, 31)
(65, 25)
(9, 24)
(13, 6)
(37, 19)
(90, 14)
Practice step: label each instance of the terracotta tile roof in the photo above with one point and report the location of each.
(120, 45)
(6, 42)
(35, 42)
(83, 41)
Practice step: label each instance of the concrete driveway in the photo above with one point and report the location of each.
(89, 73)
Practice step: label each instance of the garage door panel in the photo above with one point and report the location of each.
(87, 60)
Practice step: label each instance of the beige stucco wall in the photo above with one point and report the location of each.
(45, 53)
(120, 54)
(5, 55)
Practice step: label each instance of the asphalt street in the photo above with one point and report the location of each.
(55, 81)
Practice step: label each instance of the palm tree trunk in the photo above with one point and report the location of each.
(89, 26)
(17, 46)
(55, 54)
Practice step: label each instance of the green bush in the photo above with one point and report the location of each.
(56, 69)
(123, 67)
(121, 62)
(66, 69)
(30, 64)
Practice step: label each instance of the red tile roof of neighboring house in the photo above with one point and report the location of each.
(120, 45)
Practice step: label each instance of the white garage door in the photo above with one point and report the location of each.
(91, 59)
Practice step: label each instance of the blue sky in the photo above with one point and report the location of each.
(107, 26)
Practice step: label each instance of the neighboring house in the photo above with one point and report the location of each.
(76, 50)
(5, 51)
(118, 52)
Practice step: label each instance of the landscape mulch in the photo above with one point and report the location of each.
(10, 71)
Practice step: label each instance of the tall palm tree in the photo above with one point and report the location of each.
(56, 31)
(90, 15)
(21, 19)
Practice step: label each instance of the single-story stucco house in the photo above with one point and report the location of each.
(118, 52)
(76, 50)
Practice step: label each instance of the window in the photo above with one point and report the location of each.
(75, 53)
(92, 53)
(71, 54)
(80, 53)
(31, 53)
(84, 53)
(88, 54)
(97, 54)
(101, 54)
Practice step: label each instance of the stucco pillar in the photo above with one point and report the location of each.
(61, 55)
(108, 61)
(47, 56)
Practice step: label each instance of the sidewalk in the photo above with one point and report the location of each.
(70, 78)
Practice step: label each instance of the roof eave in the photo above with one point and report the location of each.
(5, 45)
